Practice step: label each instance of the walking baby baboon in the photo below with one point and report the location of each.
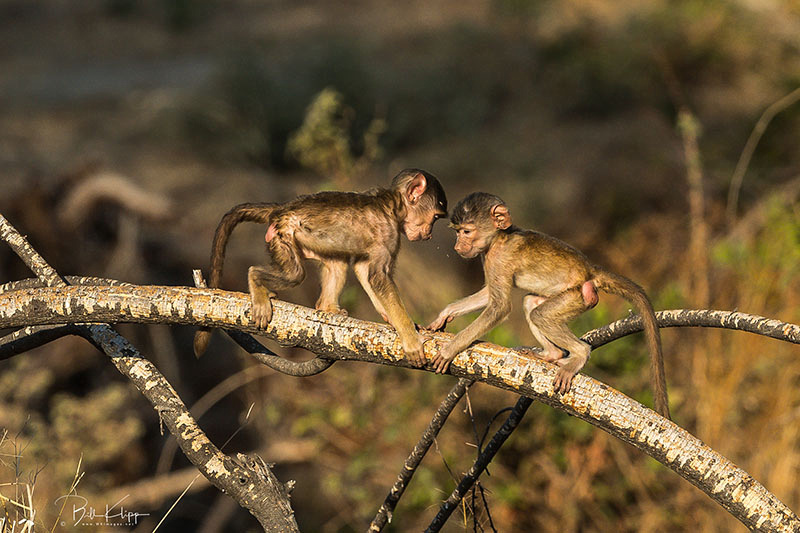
(561, 281)
(337, 229)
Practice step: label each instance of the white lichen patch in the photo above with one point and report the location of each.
(183, 420)
(215, 467)
(194, 435)
(721, 485)
(141, 369)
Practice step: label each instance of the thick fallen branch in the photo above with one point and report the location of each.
(247, 479)
(342, 338)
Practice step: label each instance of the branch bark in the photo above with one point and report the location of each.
(248, 479)
(708, 318)
(338, 337)
(480, 464)
(384, 514)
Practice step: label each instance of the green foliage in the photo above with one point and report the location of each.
(778, 252)
(323, 142)
(96, 426)
(258, 100)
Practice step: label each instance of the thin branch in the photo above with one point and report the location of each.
(689, 128)
(334, 336)
(750, 148)
(266, 356)
(709, 318)
(35, 283)
(418, 453)
(31, 337)
(29, 256)
(483, 460)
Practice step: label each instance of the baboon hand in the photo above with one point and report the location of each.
(442, 361)
(440, 322)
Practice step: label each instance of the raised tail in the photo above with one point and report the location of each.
(250, 212)
(622, 286)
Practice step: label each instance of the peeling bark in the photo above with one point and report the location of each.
(338, 337)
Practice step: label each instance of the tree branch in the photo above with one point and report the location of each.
(709, 318)
(263, 354)
(248, 479)
(480, 464)
(418, 453)
(334, 336)
(750, 147)
(31, 337)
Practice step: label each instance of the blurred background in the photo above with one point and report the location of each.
(128, 127)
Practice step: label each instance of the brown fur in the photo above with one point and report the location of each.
(561, 281)
(337, 229)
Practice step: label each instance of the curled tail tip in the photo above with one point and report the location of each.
(201, 340)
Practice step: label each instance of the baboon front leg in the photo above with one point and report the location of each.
(379, 286)
(362, 274)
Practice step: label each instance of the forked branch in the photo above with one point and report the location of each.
(337, 337)
(247, 479)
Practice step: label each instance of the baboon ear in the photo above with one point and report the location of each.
(501, 217)
(416, 188)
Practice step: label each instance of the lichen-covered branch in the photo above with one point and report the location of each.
(338, 337)
(384, 514)
(253, 486)
(249, 480)
(264, 355)
(708, 318)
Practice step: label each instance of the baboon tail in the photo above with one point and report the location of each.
(250, 212)
(622, 286)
